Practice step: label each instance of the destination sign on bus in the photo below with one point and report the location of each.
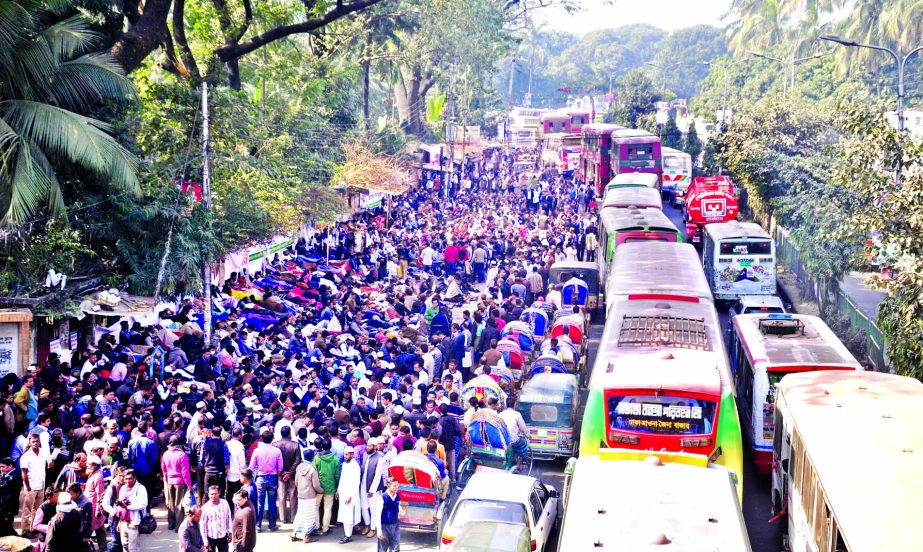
(664, 415)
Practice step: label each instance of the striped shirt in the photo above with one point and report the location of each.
(216, 519)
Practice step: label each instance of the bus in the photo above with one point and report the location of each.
(764, 348)
(555, 122)
(656, 270)
(595, 164)
(677, 174)
(636, 150)
(638, 500)
(636, 198)
(618, 226)
(633, 180)
(578, 118)
(739, 259)
(846, 461)
(563, 150)
(661, 381)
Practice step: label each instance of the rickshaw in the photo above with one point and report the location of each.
(521, 332)
(562, 272)
(549, 308)
(548, 404)
(481, 388)
(424, 495)
(512, 355)
(547, 363)
(575, 292)
(566, 351)
(490, 447)
(538, 319)
(504, 377)
(573, 327)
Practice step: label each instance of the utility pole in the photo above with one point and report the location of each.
(450, 128)
(207, 204)
(509, 107)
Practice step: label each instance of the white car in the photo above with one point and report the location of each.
(757, 304)
(506, 498)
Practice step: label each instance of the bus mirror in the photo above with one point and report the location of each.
(785, 465)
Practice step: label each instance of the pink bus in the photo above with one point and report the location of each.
(635, 150)
(595, 163)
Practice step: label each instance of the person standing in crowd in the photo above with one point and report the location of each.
(177, 479)
(291, 458)
(213, 460)
(86, 511)
(132, 508)
(243, 528)
(216, 521)
(348, 494)
(142, 456)
(389, 534)
(307, 488)
(266, 464)
(32, 465)
(64, 528)
(373, 473)
(9, 496)
(26, 404)
(328, 471)
(190, 534)
(94, 492)
(237, 457)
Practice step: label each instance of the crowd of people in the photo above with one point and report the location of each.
(341, 352)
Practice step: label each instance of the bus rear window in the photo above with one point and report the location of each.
(640, 152)
(661, 415)
(678, 163)
(749, 247)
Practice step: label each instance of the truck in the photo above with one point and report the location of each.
(709, 199)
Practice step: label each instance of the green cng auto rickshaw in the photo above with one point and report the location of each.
(548, 404)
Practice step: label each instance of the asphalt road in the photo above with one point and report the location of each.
(764, 537)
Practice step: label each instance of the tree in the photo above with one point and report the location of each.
(670, 136)
(635, 99)
(692, 145)
(689, 47)
(51, 74)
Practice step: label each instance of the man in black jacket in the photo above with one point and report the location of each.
(291, 457)
(64, 528)
(213, 460)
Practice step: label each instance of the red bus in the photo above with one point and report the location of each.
(595, 159)
(636, 151)
(578, 119)
(555, 122)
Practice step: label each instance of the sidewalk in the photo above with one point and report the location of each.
(865, 298)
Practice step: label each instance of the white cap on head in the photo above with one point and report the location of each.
(350, 450)
(93, 459)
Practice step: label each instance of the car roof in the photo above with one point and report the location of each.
(760, 301)
(501, 486)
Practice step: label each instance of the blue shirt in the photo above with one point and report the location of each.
(142, 455)
(390, 509)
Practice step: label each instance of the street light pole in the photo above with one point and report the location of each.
(663, 70)
(900, 61)
(784, 68)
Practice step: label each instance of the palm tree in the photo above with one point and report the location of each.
(51, 73)
(883, 22)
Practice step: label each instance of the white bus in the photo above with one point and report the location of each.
(766, 347)
(656, 270)
(637, 198)
(677, 174)
(739, 259)
(636, 501)
(848, 461)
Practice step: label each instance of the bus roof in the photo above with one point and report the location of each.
(555, 116)
(626, 219)
(660, 269)
(633, 133)
(861, 431)
(670, 151)
(735, 230)
(669, 373)
(627, 504)
(648, 180)
(791, 342)
(632, 197)
(600, 128)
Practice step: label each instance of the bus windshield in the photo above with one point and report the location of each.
(748, 247)
(640, 152)
(664, 415)
(677, 162)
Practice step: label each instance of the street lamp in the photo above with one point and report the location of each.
(901, 62)
(784, 67)
(787, 64)
(663, 70)
(724, 101)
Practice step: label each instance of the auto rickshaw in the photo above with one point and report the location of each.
(563, 271)
(424, 495)
(548, 404)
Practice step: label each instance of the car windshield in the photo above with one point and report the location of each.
(488, 510)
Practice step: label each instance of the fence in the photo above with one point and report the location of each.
(875, 344)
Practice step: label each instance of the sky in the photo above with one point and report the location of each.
(666, 14)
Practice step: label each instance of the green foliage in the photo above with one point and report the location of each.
(634, 101)
(692, 145)
(891, 216)
(434, 107)
(51, 74)
(682, 54)
(670, 136)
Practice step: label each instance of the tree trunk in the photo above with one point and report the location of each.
(144, 36)
(366, 69)
(234, 74)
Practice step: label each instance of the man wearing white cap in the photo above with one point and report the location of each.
(373, 473)
(64, 527)
(348, 494)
